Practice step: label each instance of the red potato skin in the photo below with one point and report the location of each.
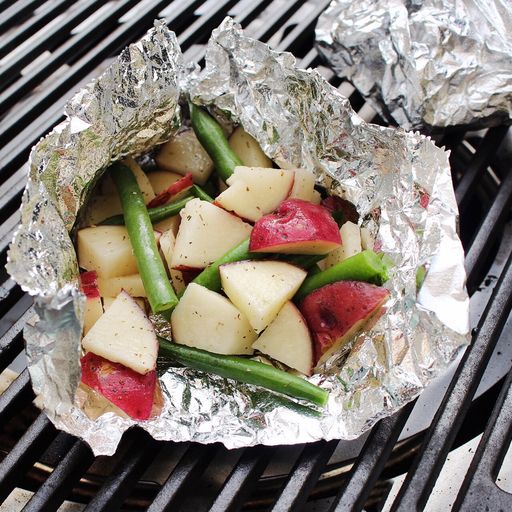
(89, 284)
(179, 186)
(337, 204)
(297, 226)
(338, 310)
(130, 391)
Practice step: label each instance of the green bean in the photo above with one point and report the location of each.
(245, 370)
(212, 138)
(363, 266)
(160, 294)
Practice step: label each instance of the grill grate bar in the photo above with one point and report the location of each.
(304, 475)
(189, 468)
(16, 152)
(60, 482)
(370, 462)
(24, 453)
(32, 26)
(17, 394)
(479, 490)
(488, 231)
(11, 16)
(72, 48)
(303, 29)
(11, 343)
(445, 426)
(11, 70)
(242, 479)
(126, 473)
(488, 147)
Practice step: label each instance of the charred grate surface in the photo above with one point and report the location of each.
(48, 50)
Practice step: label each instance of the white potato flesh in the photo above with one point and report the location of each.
(316, 198)
(162, 180)
(303, 185)
(112, 286)
(350, 244)
(255, 191)
(207, 320)
(108, 301)
(248, 150)
(93, 310)
(260, 288)
(107, 250)
(366, 239)
(172, 223)
(108, 188)
(167, 242)
(101, 207)
(184, 154)
(206, 232)
(123, 334)
(287, 340)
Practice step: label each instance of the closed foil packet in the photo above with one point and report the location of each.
(424, 64)
(399, 181)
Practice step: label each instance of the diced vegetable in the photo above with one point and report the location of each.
(260, 288)
(297, 227)
(248, 149)
(255, 191)
(130, 391)
(287, 340)
(206, 232)
(336, 312)
(112, 286)
(212, 138)
(303, 185)
(244, 370)
(93, 307)
(365, 266)
(184, 154)
(159, 291)
(207, 320)
(107, 250)
(123, 334)
(351, 244)
(175, 191)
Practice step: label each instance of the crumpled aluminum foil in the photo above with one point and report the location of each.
(424, 63)
(399, 181)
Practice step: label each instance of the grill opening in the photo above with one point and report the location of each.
(48, 50)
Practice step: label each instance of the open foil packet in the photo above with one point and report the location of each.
(399, 181)
(425, 64)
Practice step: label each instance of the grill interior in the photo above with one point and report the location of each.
(48, 49)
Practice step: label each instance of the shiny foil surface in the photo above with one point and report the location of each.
(399, 181)
(425, 64)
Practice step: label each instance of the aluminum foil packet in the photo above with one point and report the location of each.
(399, 181)
(425, 64)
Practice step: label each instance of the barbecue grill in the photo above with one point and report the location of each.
(48, 49)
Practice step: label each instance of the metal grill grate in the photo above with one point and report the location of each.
(50, 48)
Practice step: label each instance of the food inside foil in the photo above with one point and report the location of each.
(266, 266)
(388, 215)
(424, 64)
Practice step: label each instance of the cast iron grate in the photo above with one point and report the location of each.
(50, 48)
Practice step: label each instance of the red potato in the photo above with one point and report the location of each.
(174, 189)
(297, 227)
(93, 306)
(341, 208)
(337, 311)
(130, 391)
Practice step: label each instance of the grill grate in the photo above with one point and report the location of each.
(48, 50)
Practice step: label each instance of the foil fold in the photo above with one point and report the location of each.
(424, 64)
(399, 181)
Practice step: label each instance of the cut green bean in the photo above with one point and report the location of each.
(155, 214)
(212, 138)
(201, 194)
(245, 370)
(363, 266)
(160, 294)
